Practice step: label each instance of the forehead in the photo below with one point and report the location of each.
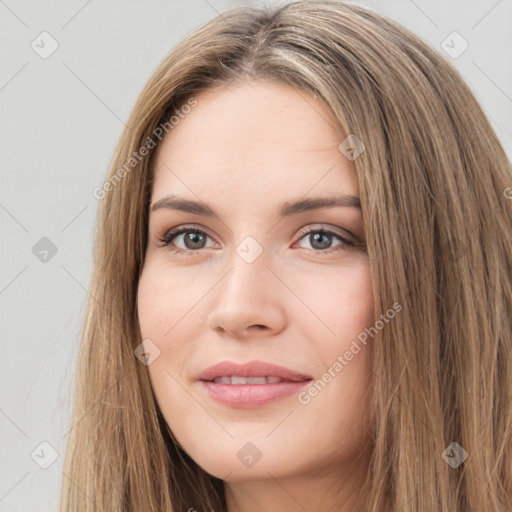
(259, 140)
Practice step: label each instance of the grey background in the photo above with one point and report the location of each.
(61, 118)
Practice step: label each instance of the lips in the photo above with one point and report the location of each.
(250, 385)
(251, 373)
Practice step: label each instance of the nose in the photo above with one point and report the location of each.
(249, 301)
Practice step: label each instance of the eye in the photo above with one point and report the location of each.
(321, 240)
(193, 238)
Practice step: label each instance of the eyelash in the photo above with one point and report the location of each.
(166, 239)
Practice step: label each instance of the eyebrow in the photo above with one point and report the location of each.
(287, 209)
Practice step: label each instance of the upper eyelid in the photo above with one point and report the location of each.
(179, 230)
(326, 228)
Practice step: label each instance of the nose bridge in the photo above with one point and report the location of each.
(243, 296)
(248, 273)
(249, 259)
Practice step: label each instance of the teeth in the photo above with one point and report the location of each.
(223, 380)
(237, 380)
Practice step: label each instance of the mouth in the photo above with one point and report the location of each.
(237, 380)
(253, 372)
(252, 384)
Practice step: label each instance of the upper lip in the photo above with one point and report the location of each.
(251, 369)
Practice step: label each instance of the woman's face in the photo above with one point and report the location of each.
(250, 283)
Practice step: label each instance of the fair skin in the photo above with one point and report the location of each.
(245, 150)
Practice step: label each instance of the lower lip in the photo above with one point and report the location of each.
(251, 395)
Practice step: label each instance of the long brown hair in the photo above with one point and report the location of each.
(433, 181)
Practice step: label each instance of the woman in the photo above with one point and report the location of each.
(301, 292)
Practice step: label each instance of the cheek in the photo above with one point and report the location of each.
(166, 315)
(172, 313)
(349, 305)
(156, 304)
(344, 301)
(353, 302)
(162, 311)
(167, 307)
(340, 301)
